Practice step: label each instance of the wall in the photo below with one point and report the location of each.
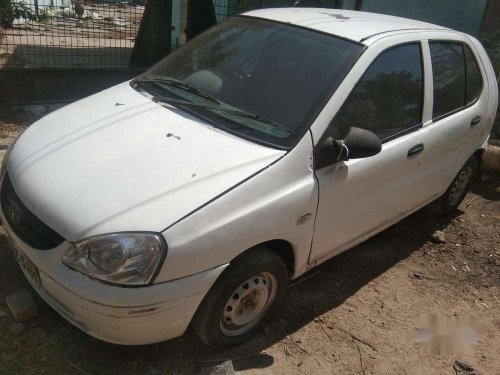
(491, 21)
(462, 15)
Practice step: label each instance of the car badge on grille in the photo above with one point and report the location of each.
(15, 218)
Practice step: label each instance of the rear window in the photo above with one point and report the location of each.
(474, 78)
(448, 68)
(456, 77)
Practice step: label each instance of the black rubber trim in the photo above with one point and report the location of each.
(24, 223)
(401, 133)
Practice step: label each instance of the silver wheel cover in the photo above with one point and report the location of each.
(248, 304)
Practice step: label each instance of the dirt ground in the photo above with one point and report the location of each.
(356, 314)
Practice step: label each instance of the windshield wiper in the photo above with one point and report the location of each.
(179, 84)
(180, 102)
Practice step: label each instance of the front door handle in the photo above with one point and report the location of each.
(416, 149)
(475, 121)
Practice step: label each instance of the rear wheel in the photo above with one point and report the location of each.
(240, 302)
(457, 190)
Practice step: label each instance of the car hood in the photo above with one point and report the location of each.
(116, 161)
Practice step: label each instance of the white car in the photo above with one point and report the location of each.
(272, 142)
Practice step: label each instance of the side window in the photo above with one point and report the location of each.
(387, 100)
(456, 76)
(448, 71)
(474, 77)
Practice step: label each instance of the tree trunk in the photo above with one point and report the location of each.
(153, 38)
(200, 17)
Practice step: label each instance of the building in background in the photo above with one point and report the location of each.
(462, 15)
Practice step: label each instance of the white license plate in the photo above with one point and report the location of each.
(29, 268)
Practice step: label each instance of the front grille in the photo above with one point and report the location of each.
(25, 225)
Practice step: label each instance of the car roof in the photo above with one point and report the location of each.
(349, 24)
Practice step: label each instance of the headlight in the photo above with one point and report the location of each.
(122, 258)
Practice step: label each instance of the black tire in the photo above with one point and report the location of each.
(209, 320)
(451, 199)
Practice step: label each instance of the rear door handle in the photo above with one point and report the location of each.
(416, 149)
(475, 121)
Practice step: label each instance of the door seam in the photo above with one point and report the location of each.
(317, 201)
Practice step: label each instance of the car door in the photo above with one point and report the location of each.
(460, 105)
(362, 196)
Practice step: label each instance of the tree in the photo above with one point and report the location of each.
(153, 39)
(10, 11)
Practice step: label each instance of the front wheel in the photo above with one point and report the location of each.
(242, 299)
(457, 190)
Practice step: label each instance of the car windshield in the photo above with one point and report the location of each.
(262, 80)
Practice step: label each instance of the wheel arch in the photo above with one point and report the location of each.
(282, 248)
(479, 154)
(209, 312)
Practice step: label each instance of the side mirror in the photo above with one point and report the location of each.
(359, 143)
(362, 143)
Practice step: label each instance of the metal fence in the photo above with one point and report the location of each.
(67, 34)
(97, 34)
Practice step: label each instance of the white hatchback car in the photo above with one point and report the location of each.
(267, 145)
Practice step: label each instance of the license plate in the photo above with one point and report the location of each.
(30, 269)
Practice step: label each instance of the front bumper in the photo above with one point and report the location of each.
(129, 316)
